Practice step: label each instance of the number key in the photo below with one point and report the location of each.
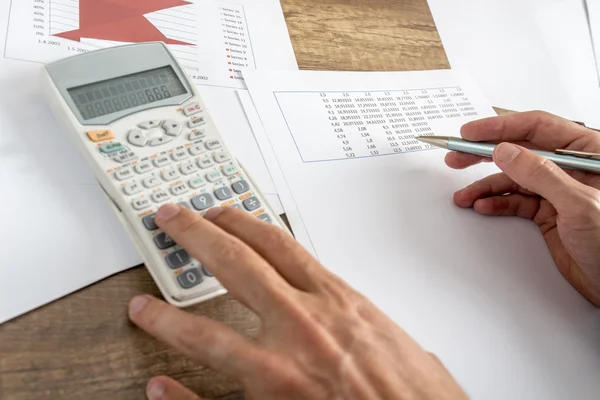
(189, 278)
(203, 201)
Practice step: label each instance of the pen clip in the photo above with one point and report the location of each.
(581, 154)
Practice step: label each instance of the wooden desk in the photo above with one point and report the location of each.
(83, 346)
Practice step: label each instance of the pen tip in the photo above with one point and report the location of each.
(439, 141)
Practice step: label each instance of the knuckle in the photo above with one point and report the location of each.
(231, 250)
(542, 169)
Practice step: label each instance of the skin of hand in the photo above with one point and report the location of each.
(318, 340)
(564, 204)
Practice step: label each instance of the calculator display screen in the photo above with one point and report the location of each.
(129, 91)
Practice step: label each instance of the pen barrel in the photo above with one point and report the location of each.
(563, 161)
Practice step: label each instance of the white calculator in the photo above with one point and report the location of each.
(149, 139)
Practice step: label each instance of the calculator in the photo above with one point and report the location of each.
(149, 139)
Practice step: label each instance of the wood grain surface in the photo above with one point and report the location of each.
(84, 347)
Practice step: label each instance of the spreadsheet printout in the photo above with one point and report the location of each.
(482, 293)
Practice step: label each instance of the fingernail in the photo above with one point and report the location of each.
(213, 213)
(506, 152)
(137, 303)
(155, 390)
(167, 212)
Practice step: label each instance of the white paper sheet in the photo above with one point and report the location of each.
(482, 293)
(60, 234)
(525, 55)
(592, 9)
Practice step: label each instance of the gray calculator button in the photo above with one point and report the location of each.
(123, 174)
(223, 193)
(188, 168)
(206, 272)
(172, 127)
(160, 140)
(127, 156)
(221, 157)
(160, 196)
(153, 123)
(196, 122)
(137, 137)
(151, 181)
(213, 144)
(196, 135)
(140, 204)
(197, 149)
(251, 203)
(190, 278)
(185, 204)
(203, 201)
(132, 188)
(196, 183)
(240, 187)
(205, 161)
(179, 155)
(162, 161)
(191, 109)
(170, 174)
(178, 259)
(179, 189)
(149, 222)
(163, 241)
(265, 217)
(143, 167)
(236, 205)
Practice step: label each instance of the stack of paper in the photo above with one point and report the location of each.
(375, 207)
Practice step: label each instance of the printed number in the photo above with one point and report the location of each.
(350, 155)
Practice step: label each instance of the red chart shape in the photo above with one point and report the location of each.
(121, 21)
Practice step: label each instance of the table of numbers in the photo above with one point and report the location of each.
(334, 125)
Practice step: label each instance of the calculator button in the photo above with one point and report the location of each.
(137, 137)
(112, 147)
(153, 123)
(196, 135)
(149, 222)
(251, 203)
(179, 155)
(213, 144)
(190, 278)
(266, 218)
(132, 188)
(160, 140)
(240, 187)
(151, 181)
(126, 156)
(188, 168)
(160, 196)
(223, 193)
(162, 161)
(185, 204)
(142, 168)
(236, 205)
(191, 109)
(196, 183)
(123, 174)
(140, 204)
(214, 176)
(196, 122)
(172, 127)
(179, 189)
(170, 174)
(206, 272)
(197, 149)
(98, 136)
(229, 170)
(221, 157)
(163, 241)
(205, 161)
(203, 201)
(178, 259)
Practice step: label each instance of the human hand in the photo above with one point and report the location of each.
(564, 204)
(318, 340)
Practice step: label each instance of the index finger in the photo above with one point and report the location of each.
(544, 130)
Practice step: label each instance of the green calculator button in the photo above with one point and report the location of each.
(112, 147)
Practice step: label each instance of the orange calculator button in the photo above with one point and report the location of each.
(98, 136)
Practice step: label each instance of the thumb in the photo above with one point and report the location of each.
(165, 388)
(539, 175)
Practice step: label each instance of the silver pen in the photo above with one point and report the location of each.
(567, 159)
